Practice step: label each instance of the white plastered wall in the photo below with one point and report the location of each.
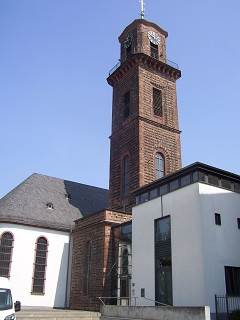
(22, 265)
(220, 242)
(200, 248)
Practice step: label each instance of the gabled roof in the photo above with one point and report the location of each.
(28, 203)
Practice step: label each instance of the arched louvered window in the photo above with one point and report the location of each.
(40, 264)
(126, 105)
(125, 176)
(159, 165)
(6, 247)
(157, 102)
(88, 266)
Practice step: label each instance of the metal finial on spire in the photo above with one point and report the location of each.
(142, 8)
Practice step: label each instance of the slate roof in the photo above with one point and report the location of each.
(27, 203)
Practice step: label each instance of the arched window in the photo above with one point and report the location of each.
(125, 177)
(40, 264)
(159, 165)
(6, 246)
(88, 266)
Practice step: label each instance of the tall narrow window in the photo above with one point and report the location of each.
(6, 246)
(39, 275)
(157, 102)
(159, 165)
(218, 219)
(126, 176)
(163, 261)
(125, 262)
(88, 266)
(129, 50)
(154, 50)
(126, 105)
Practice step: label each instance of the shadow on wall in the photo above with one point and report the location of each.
(62, 289)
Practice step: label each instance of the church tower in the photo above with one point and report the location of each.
(145, 137)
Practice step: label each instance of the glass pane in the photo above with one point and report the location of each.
(226, 183)
(201, 176)
(236, 187)
(144, 197)
(185, 180)
(159, 164)
(213, 180)
(174, 185)
(163, 229)
(195, 176)
(164, 189)
(153, 193)
(164, 287)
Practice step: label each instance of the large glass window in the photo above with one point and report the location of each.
(159, 165)
(125, 176)
(232, 275)
(40, 265)
(163, 261)
(6, 246)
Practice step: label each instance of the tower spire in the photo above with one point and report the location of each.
(142, 8)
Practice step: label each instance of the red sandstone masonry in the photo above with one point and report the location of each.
(98, 229)
(142, 134)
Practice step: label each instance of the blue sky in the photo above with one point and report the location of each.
(56, 104)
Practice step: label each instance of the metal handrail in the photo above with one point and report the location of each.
(163, 304)
(132, 298)
(102, 299)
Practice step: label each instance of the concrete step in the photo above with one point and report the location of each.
(57, 314)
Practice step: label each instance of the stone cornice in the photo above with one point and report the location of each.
(143, 60)
(152, 122)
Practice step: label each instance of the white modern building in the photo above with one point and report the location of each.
(185, 238)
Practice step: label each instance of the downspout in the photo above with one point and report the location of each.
(68, 267)
(162, 205)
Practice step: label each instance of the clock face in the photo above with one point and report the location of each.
(153, 37)
(128, 41)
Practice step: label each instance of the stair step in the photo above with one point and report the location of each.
(57, 314)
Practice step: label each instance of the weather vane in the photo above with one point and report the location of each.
(142, 8)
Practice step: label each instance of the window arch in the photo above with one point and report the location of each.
(125, 176)
(6, 247)
(159, 165)
(40, 264)
(88, 267)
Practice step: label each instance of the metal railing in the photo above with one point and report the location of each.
(227, 306)
(123, 301)
(157, 302)
(168, 62)
(127, 301)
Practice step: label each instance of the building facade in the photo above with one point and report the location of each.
(185, 231)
